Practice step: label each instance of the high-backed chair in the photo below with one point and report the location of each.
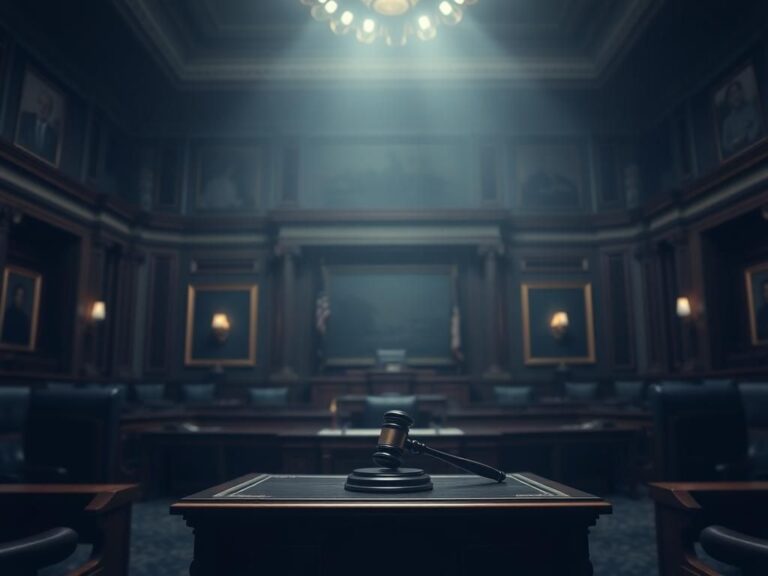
(198, 393)
(26, 556)
(376, 406)
(700, 432)
(149, 394)
(14, 404)
(628, 391)
(513, 395)
(754, 398)
(581, 391)
(268, 397)
(72, 436)
(53, 385)
(747, 553)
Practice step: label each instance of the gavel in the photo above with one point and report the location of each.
(394, 440)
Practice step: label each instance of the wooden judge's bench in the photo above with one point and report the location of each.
(303, 525)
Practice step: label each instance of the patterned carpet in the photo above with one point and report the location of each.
(622, 544)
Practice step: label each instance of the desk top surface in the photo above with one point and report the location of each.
(277, 491)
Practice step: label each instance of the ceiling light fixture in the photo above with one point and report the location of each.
(394, 21)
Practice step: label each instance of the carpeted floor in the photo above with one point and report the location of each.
(622, 544)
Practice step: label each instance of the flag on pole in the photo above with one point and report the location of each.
(322, 312)
(456, 335)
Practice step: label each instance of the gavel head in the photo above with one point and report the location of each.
(394, 433)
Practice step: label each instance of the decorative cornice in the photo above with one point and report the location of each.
(146, 19)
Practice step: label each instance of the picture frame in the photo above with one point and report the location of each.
(228, 177)
(540, 302)
(549, 176)
(20, 309)
(203, 347)
(41, 118)
(756, 284)
(738, 113)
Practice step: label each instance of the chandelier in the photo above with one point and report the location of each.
(394, 21)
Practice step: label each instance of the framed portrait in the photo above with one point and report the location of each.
(228, 178)
(739, 121)
(42, 113)
(221, 325)
(756, 279)
(549, 176)
(19, 309)
(558, 325)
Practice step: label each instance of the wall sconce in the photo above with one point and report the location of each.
(220, 327)
(683, 307)
(99, 311)
(558, 325)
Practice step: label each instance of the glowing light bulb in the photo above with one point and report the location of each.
(424, 22)
(445, 8)
(369, 25)
(331, 6)
(347, 18)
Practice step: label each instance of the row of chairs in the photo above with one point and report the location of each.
(629, 392)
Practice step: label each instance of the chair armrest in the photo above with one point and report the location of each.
(737, 549)
(38, 551)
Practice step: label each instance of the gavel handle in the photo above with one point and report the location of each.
(464, 463)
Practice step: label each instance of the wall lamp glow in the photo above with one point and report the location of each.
(99, 311)
(220, 327)
(683, 307)
(558, 324)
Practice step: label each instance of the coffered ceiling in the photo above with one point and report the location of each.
(223, 42)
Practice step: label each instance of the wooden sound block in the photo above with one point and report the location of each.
(388, 480)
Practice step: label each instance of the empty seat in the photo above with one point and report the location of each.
(629, 391)
(277, 396)
(14, 403)
(149, 393)
(513, 395)
(700, 433)
(376, 406)
(198, 393)
(72, 436)
(754, 399)
(581, 391)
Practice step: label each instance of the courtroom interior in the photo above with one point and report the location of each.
(234, 234)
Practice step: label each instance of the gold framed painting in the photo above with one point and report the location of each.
(756, 280)
(42, 114)
(558, 323)
(19, 309)
(221, 325)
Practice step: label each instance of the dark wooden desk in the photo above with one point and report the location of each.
(99, 513)
(684, 509)
(300, 525)
(178, 461)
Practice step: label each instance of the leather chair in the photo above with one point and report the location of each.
(628, 391)
(198, 393)
(513, 395)
(754, 398)
(25, 556)
(747, 553)
(14, 404)
(73, 436)
(268, 397)
(581, 391)
(376, 406)
(150, 394)
(700, 433)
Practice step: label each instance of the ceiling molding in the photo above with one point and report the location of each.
(193, 70)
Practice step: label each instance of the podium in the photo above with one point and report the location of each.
(306, 525)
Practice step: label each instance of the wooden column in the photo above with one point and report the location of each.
(490, 254)
(289, 255)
